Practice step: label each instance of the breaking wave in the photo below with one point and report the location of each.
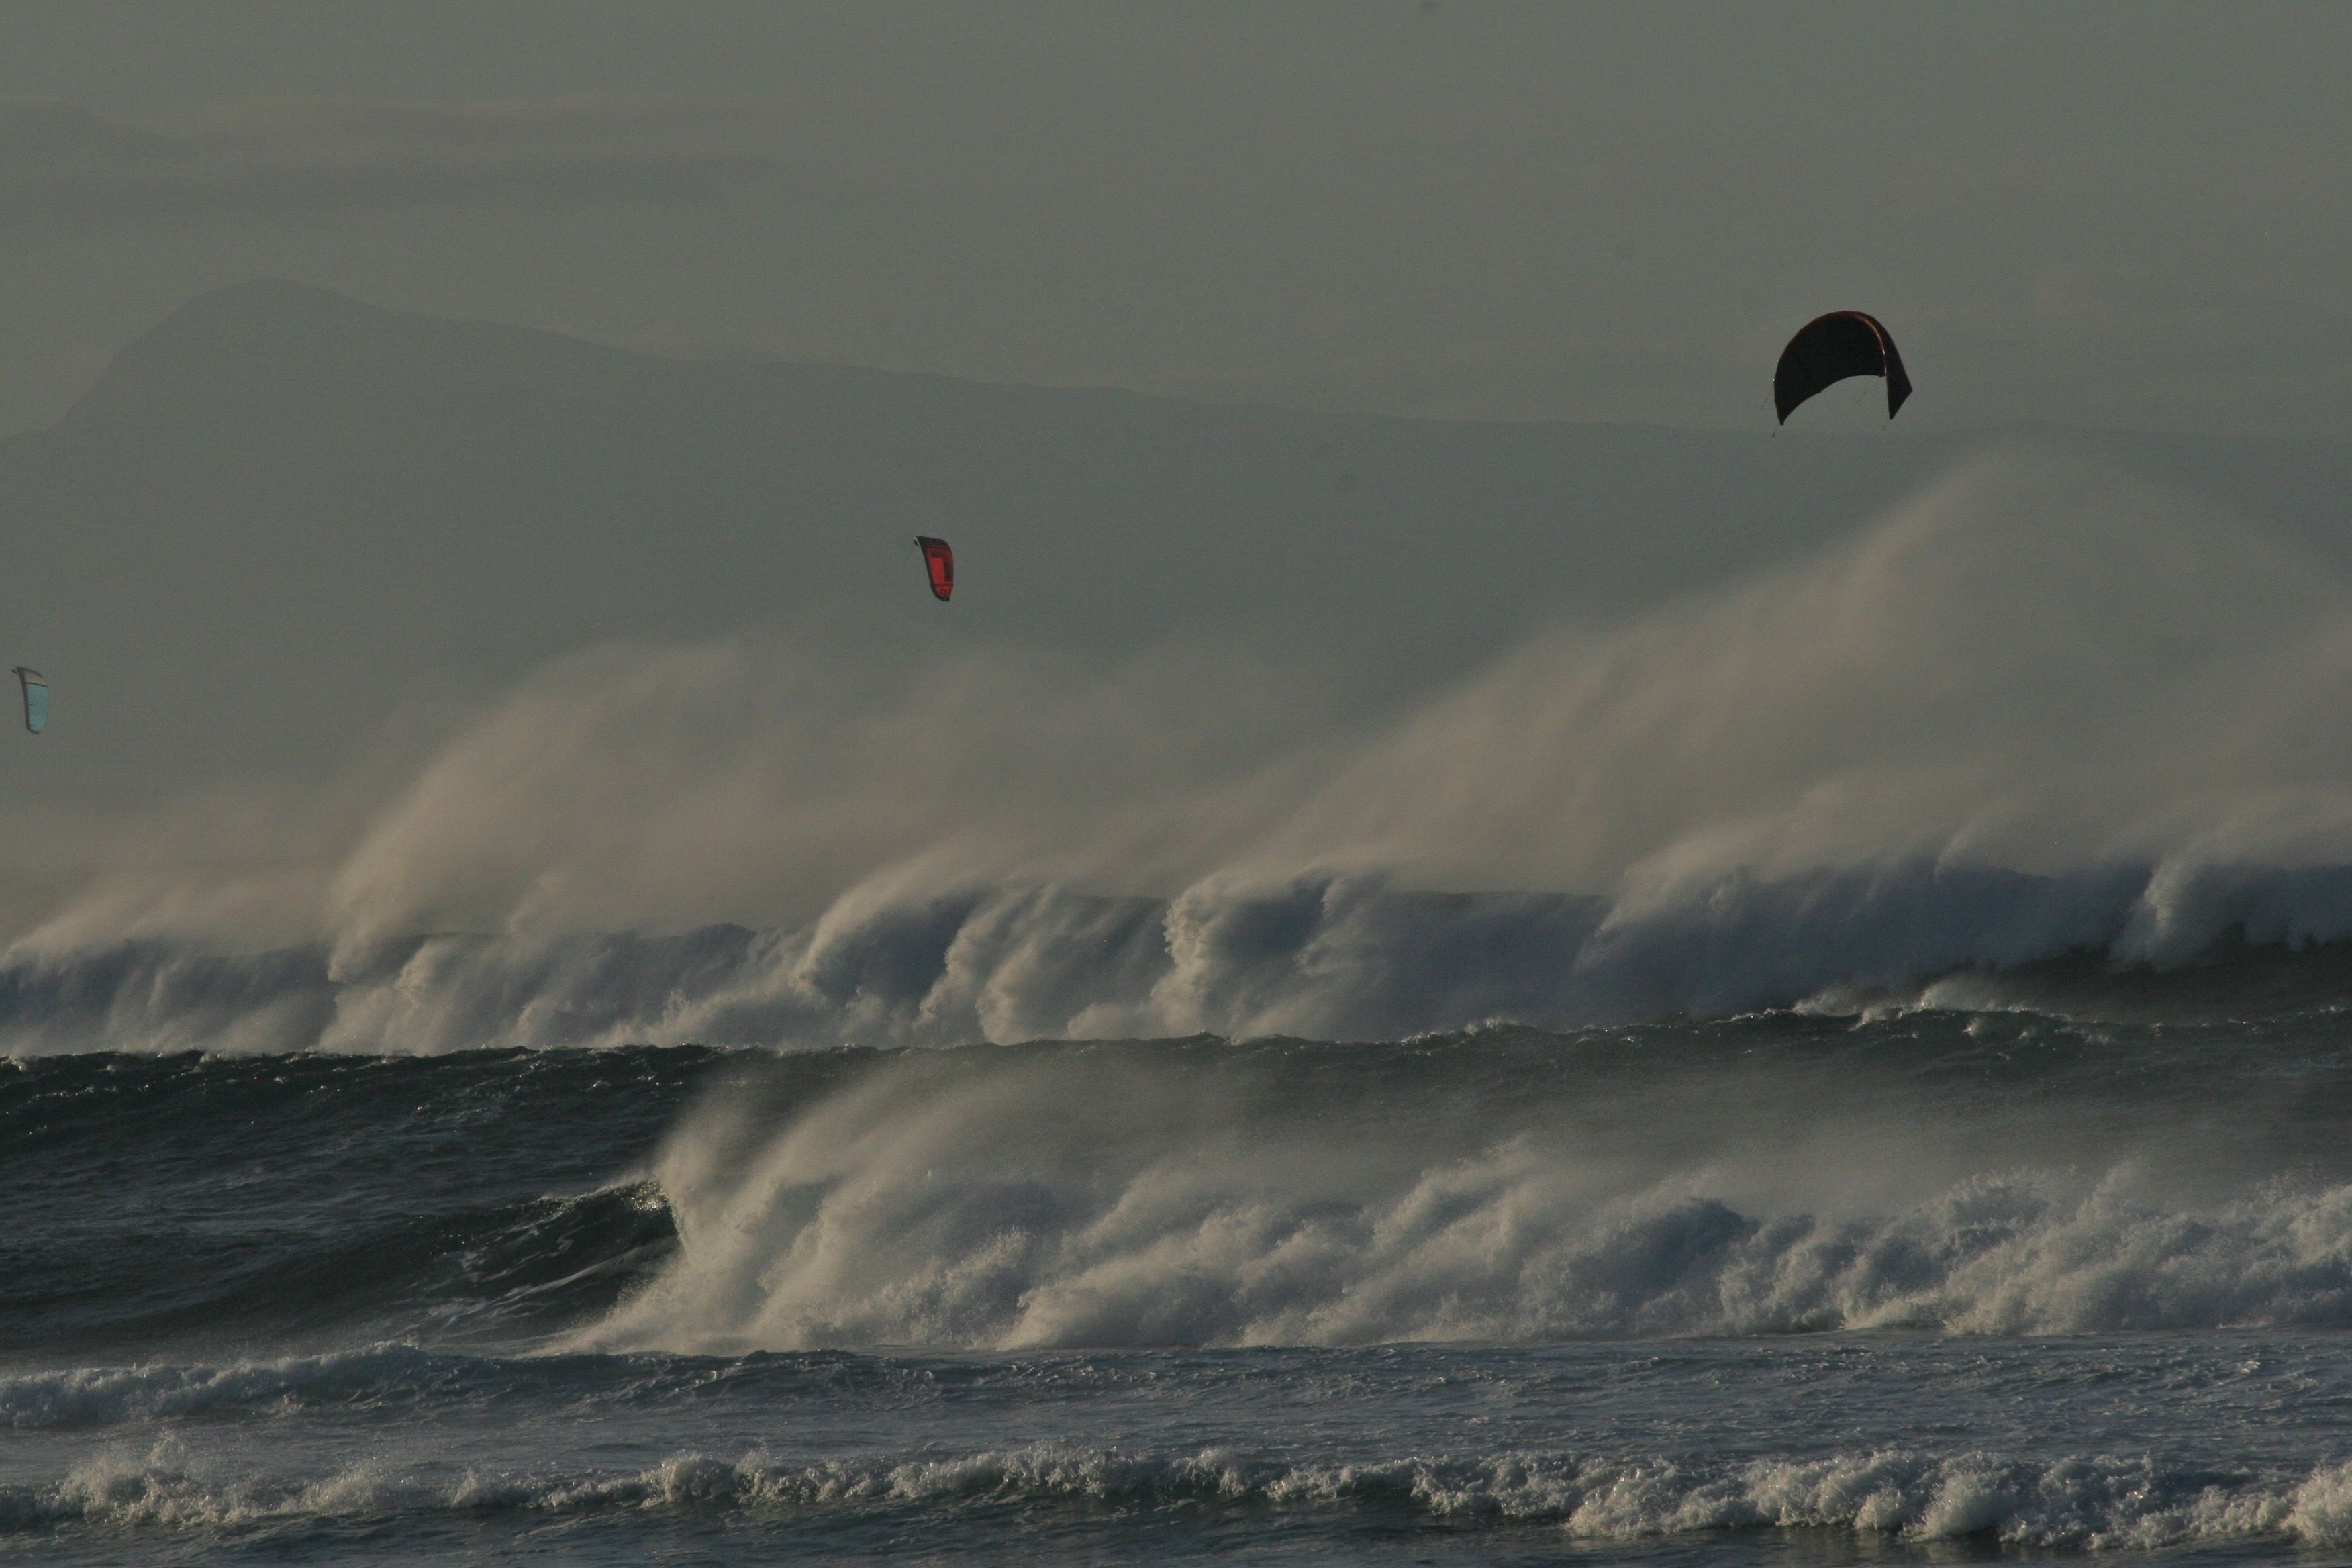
(1961, 1174)
(103, 1396)
(1095, 1199)
(1318, 955)
(2040, 715)
(2090, 1501)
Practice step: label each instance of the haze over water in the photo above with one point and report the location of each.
(1395, 977)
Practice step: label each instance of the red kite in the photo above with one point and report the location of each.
(940, 560)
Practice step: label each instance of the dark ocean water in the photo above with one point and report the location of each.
(1914, 1285)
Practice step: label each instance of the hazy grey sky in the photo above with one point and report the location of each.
(2115, 214)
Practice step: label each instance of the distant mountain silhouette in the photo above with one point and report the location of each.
(279, 505)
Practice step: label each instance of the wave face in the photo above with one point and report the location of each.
(183, 1199)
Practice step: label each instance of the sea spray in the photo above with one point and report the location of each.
(2041, 710)
(1287, 1196)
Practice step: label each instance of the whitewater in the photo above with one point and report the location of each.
(1848, 1067)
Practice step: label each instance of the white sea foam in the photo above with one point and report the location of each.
(99, 1396)
(1094, 1200)
(2092, 1501)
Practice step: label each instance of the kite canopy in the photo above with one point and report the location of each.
(37, 697)
(940, 561)
(1830, 348)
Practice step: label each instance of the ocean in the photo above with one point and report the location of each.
(1904, 1282)
(1848, 1067)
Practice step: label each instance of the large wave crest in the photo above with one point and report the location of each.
(2040, 710)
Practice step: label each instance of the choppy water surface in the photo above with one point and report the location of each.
(1920, 1285)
